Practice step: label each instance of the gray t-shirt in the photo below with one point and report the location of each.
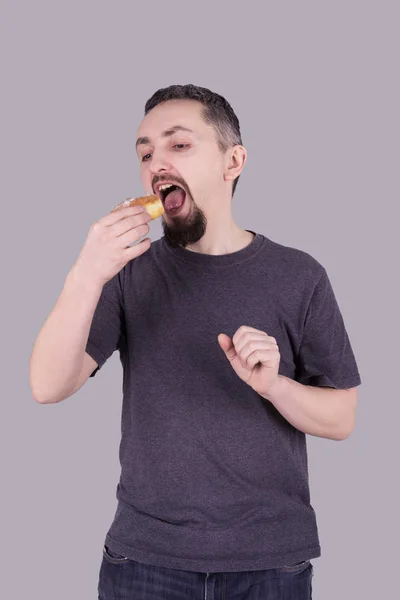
(213, 477)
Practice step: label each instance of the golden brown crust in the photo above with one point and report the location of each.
(152, 204)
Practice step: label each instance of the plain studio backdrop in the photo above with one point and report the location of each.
(315, 86)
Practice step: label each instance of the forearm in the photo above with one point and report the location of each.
(318, 411)
(57, 356)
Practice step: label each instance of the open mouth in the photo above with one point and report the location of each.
(172, 196)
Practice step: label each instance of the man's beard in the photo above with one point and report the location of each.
(188, 230)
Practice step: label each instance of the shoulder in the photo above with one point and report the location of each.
(295, 262)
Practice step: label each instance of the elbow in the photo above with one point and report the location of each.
(47, 400)
(344, 432)
(43, 401)
(347, 423)
(40, 398)
(37, 396)
(40, 394)
(340, 437)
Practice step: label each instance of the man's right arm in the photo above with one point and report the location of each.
(59, 363)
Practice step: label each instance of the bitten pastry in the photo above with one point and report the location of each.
(152, 204)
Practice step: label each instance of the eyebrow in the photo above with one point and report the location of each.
(166, 133)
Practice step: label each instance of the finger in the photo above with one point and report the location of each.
(254, 340)
(130, 223)
(122, 213)
(245, 332)
(246, 329)
(251, 348)
(267, 358)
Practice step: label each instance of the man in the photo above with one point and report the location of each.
(233, 348)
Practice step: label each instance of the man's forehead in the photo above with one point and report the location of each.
(173, 116)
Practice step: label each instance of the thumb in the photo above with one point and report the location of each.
(227, 345)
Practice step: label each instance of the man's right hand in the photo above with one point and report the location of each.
(107, 247)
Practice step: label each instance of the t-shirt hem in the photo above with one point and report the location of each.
(324, 381)
(215, 566)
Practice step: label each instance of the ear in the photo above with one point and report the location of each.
(236, 161)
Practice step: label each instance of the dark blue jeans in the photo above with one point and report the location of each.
(125, 579)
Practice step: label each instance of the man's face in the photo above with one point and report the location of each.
(191, 158)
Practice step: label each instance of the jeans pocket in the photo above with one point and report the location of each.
(114, 557)
(296, 568)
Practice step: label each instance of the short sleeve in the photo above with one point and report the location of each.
(107, 331)
(325, 357)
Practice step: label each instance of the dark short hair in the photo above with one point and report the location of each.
(217, 112)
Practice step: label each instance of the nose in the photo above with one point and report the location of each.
(159, 163)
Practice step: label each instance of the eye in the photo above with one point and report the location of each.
(182, 147)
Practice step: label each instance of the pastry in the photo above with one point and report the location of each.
(152, 204)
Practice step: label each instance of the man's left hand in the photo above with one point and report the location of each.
(254, 356)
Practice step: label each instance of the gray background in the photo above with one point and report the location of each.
(316, 88)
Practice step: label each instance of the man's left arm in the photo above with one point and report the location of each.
(319, 411)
